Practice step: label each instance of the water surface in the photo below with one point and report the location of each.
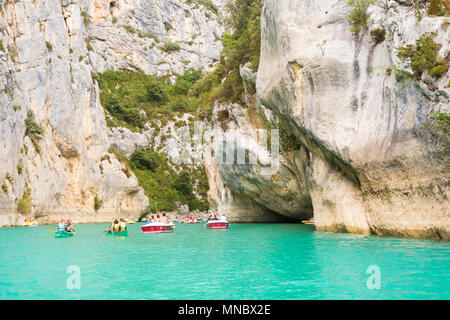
(248, 261)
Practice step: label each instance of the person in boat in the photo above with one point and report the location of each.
(122, 225)
(164, 218)
(111, 228)
(69, 226)
(62, 226)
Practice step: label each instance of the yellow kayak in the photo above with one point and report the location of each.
(309, 221)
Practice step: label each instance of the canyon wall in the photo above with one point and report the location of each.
(50, 54)
(364, 164)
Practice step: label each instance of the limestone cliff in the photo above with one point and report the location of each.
(364, 163)
(54, 140)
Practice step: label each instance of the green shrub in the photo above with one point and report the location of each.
(32, 129)
(439, 122)
(130, 29)
(438, 71)
(97, 203)
(438, 7)
(88, 44)
(378, 35)
(19, 168)
(2, 48)
(48, 45)
(359, 16)
(5, 188)
(25, 204)
(146, 159)
(424, 56)
(17, 107)
(167, 26)
(86, 18)
(170, 47)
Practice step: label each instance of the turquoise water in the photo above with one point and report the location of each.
(248, 261)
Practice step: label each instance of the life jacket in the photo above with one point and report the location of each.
(122, 226)
(61, 226)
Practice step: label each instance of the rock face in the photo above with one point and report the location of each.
(132, 35)
(365, 164)
(49, 53)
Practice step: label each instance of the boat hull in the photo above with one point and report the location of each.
(217, 225)
(118, 234)
(61, 235)
(159, 228)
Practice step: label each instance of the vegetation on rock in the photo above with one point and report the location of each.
(166, 184)
(423, 56)
(25, 204)
(359, 16)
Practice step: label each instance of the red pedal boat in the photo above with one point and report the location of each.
(158, 227)
(217, 224)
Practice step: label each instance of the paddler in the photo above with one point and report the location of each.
(122, 225)
(69, 226)
(62, 226)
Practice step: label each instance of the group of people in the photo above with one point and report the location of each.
(117, 226)
(159, 219)
(217, 216)
(65, 226)
(29, 222)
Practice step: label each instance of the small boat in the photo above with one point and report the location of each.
(30, 224)
(130, 222)
(217, 224)
(64, 234)
(309, 221)
(123, 233)
(158, 227)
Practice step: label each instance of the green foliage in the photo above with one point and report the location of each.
(170, 47)
(17, 107)
(88, 44)
(124, 94)
(378, 35)
(167, 26)
(25, 204)
(19, 168)
(439, 123)
(359, 16)
(163, 185)
(130, 29)
(2, 48)
(32, 129)
(5, 188)
(438, 71)
(97, 203)
(208, 4)
(48, 45)
(438, 7)
(424, 57)
(86, 18)
(240, 47)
